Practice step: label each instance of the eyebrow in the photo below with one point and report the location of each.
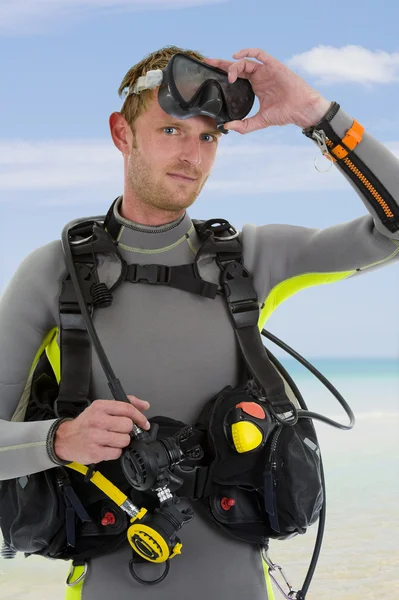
(214, 132)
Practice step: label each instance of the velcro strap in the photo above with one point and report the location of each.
(352, 138)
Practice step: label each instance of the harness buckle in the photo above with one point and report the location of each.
(240, 294)
(284, 411)
(148, 274)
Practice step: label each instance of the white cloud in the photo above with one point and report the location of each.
(74, 168)
(347, 64)
(57, 165)
(26, 16)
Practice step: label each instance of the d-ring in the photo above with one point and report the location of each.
(328, 157)
(79, 579)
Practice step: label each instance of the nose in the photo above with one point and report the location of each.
(191, 151)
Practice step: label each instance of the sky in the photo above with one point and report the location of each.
(61, 63)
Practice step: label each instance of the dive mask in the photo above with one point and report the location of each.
(189, 87)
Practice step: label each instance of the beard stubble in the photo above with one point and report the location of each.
(161, 193)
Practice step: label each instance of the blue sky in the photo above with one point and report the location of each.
(61, 63)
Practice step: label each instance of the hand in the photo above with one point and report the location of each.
(100, 432)
(284, 97)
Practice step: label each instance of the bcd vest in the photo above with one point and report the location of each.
(259, 474)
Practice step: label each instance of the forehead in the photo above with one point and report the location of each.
(156, 116)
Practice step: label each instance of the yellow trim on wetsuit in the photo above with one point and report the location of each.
(75, 592)
(54, 355)
(287, 288)
(268, 581)
(47, 340)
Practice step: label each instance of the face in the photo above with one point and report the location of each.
(170, 159)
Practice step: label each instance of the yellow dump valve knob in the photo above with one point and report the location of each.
(246, 436)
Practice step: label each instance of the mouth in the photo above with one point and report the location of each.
(182, 178)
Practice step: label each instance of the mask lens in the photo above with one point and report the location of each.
(190, 75)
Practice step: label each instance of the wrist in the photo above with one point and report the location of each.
(54, 442)
(314, 113)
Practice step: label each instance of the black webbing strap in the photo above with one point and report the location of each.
(182, 277)
(242, 302)
(75, 344)
(110, 222)
(75, 366)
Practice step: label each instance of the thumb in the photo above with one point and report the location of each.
(246, 125)
(233, 126)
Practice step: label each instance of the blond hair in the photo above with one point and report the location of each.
(135, 104)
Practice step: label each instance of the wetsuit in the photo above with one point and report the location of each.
(177, 350)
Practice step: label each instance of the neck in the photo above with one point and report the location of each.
(146, 215)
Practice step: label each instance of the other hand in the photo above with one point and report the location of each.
(101, 431)
(284, 97)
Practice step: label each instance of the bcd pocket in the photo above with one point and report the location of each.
(293, 490)
(272, 472)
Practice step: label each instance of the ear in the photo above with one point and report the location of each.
(121, 133)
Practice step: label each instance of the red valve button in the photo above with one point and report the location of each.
(108, 519)
(227, 503)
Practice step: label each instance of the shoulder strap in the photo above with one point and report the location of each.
(75, 343)
(220, 240)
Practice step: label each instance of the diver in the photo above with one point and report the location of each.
(170, 340)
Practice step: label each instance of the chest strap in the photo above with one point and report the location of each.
(181, 277)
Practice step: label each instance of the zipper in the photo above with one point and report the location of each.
(323, 142)
(367, 184)
(273, 447)
(270, 501)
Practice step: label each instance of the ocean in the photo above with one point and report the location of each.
(360, 553)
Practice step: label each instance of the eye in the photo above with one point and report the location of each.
(213, 138)
(209, 136)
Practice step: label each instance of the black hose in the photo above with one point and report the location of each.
(320, 377)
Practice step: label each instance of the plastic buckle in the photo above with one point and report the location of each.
(149, 274)
(240, 294)
(288, 413)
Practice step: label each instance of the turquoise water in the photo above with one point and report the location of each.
(360, 553)
(346, 367)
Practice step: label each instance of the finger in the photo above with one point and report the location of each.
(122, 409)
(138, 403)
(110, 438)
(119, 424)
(247, 125)
(257, 53)
(219, 63)
(243, 69)
(141, 420)
(110, 453)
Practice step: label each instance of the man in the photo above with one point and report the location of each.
(169, 348)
